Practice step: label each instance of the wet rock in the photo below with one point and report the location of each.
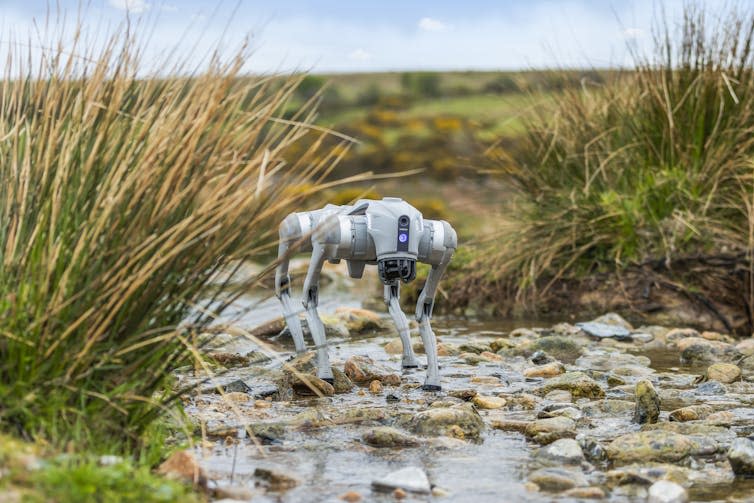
(558, 346)
(362, 369)
(708, 437)
(474, 347)
(231, 494)
(711, 388)
(463, 394)
(642, 337)
(741, 457)
(559, 395)
(510, 425)
(375, 387)
(565, 451)
(557, 479)
(608, 407)
(565, 329)
(614, 380)
(182, 465)
(746, 346)
(359, 321)
(578, 384)
(601, 359)
(546, 431)
(310, 384)
(411, 479)
(592, 449)
(341, 382)
(488, 402)
(461, 418)
(355, 415)
(541, 358)
(613, 319)
(603, 330)
(567, 411)
(385, 436)
(717, 336)
(691, 413)
(350, 497)
(227, 359)
(655, 445)
(725, 373)
(673, 336)
(585, 493)
(647, 408)
(547, 370)
(665, 491)
(695, 350)
(501, 343)
(275, 480)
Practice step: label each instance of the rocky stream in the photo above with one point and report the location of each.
(571, 411)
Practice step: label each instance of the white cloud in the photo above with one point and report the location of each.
(132, 6)
(632, 33)
(430, 24)
(360, 55)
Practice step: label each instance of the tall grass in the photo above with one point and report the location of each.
(121, 196)
(654, 164)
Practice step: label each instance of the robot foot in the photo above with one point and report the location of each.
(410, 366)
(329, 380)
(431, 387)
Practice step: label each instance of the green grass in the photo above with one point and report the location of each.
(121, 197)
(655, 164)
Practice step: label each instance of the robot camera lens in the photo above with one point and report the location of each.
(403, 221)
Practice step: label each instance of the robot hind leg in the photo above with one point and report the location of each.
(311, 300)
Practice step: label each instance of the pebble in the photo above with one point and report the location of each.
(182, 465)
(458, 419)
(375, 387)
(386, 436)
(547, 370)
(557, 479)
(665, 491)
(565, 451)
(362, 369)
(578, 384)
(488, 402)
(275, 480)
(585, 493)
(411, 479)
(545, 431)
(350, 497)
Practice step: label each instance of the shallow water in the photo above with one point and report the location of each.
(331, 460)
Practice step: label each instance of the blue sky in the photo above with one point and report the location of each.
(341, 36)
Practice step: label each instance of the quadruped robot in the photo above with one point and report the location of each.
(389, 233)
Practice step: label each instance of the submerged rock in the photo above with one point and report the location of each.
(656, 445)
(565, 451)
(691, 413)
(557, 479)
(547, 370)
(578, 384)
(561, 347)
(385, 436)
(741, 457)
(665, 491)
(647, 403)
(275, 480)
(359, 320)
(603, 330)
(488, 402)
(362, 369)
(460, 419)
(696, 350)
(412, 479)
(546, 431)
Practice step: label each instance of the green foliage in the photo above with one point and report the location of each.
(121, 198)
(424, 84)
(81, 481)
(655, 163)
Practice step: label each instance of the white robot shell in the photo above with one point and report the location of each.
(389, 233)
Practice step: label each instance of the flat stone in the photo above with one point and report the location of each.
(545, 431)
(613, 319)
(412, 479)
(557, 479)
(386, 436)
(696, 350)
(725, 373)
(578, 384)
(691, 413)
(547, 370)
(665, 491)
(603, 330)
(488, 402)
(459, 420)
(563, 451)
(655, 445)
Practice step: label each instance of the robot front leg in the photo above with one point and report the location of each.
(311, 300)
(288, 234)
(392, 296)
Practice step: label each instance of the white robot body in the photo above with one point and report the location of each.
(389, 233)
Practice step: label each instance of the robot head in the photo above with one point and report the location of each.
(392, 269)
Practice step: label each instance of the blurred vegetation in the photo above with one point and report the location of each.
(649, 166)
(121, 199)
(443, 123)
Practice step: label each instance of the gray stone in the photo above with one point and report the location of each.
(613, 319)
(411, 479)
(458, 420)
(665, 491)
(385, 436)
(603, 330)
(741, 457)
(578, 384)
(711, 388)
(563, 451)
(546, 431)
